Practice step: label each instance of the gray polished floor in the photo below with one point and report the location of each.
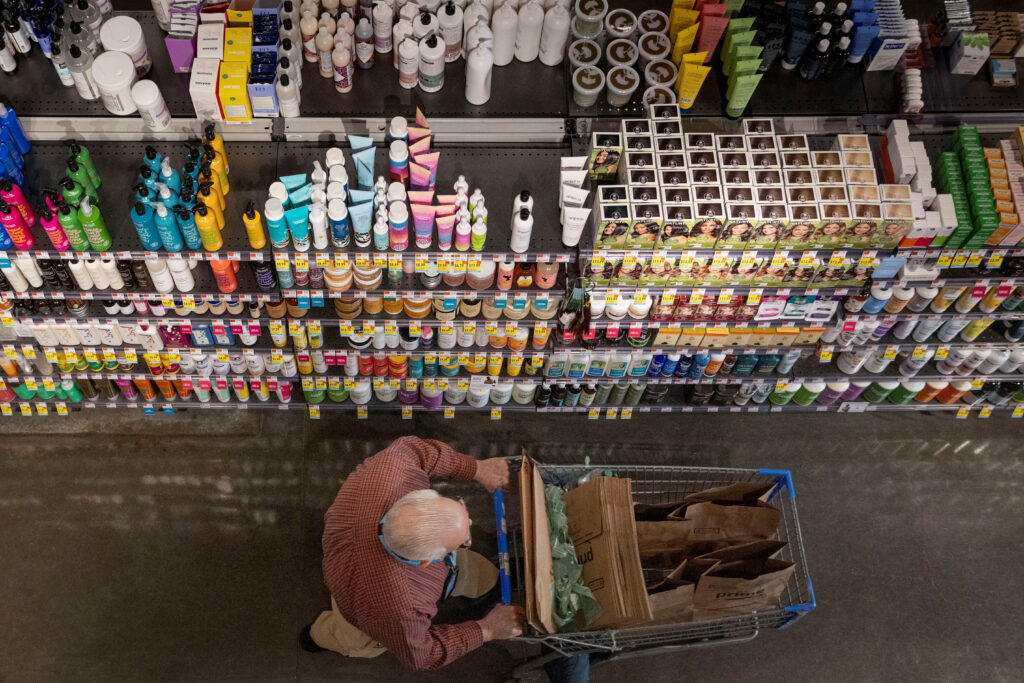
(186, 548)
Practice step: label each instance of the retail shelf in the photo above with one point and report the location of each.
(939, 252)
(949, 314)
(771, 289)
(845, 407)
(989, 339)
(341, 259)
(953, 281)
(645, 324)
(590, 254)
(511, 295)
(600, 345)
(782, 92)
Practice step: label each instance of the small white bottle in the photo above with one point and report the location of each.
(531, 23)
(287, 97)
(424, 24)
(341, 58)
(401, 31)
(522, 228)
(308, 26)
(151, 105)
(318, 225)
(80, 65)
(383, 17)
(479, 65)
(408, 54)
(504, 25)
(324, 49)
(554, 36)
(328, 22)
(57, 57)
(431, 69)
(449, 20)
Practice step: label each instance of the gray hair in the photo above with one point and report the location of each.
(414, 524)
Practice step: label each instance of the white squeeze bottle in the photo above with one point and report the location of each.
(383, 16)
(287, 96)
(80, 66)
(331, 7)
(472, 13)
(522, 228)
(531, 21)
(431, 64)
(307, 27)
(408, 54)
(401, 31)
(449, 20)
(504, 25)
(324, 47)
(423, 25)
(293, 51)
(554, 36)
(346, 33)
(342, 60)
(328, 22)
(479, 65)
(477, 34)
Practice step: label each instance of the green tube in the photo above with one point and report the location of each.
(738, 94)
(92, 222)
(78, 173)
(80, 153)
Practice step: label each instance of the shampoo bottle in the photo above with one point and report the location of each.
(528, 31)
(479, 65)
(554, 36)
(504, 26)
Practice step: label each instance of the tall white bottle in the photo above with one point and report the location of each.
(531, 23)
(449, 20)
(504, 25)
(554, 36)
(476, 35)
(472, 13)
(479, 65)
(431, 63)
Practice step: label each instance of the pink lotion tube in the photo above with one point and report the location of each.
(12, 194)
(58, 238)
(417, 133)
(421, 146)
(445, 226)
(710, 32)
(422, 197)
(445, 210)
(419, 176)
(429, 161)
(423, 224)
(16, 228)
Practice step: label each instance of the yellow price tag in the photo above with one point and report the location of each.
(301, 262)
(963, 413)
(836, 261)
(668, 297)
(996, 259)
(778, 260)
(50, 355)
(276, 328)
(322, 260)
(131, 356)
(307, 383)
(394, 262)
(941, 352)
(626, 413)
(449, 413)
(640, 298)
(474, 264)
(628, 261)
(368, 328)
(826, 355)
(350, 383)
(276, 356)
(415, 329)
(320, 383)
(754, 297)
(611, 298)
(719, 260)
(361, 412)
(696, 296)
(597, 261)
(168, 302)
(469, 328)
(658, 260)
(294, 328)
(48, 384)
(462, 384)
(314, 411)
(62, 409)
(974, 260)
(944, 261)
(611, 413)
(495, 413)
(26, 409)
(380, 260)
(6, 409)
(406, 413)
(537, 361)
(333, 383)
(747, 260)
(1018, 412)
(43, 410)
(345, 329)
(960, 259)
(151, 357)
(362, 261)
(410, 384)
(593, 413)
(90, 355)
(109, 355)
(28, 351)
(421, 263)
(341, 262)
(31, 383)
(459, 265)
(447, 329)
(10, 352)
(866, 261)
(444, 265)
(977, 384)
(314, 327)
(918, 352)
(444, 358)
(395, 383)
(780, 385)
(491, 328)
(429, 384)
(390, 328)
(281, 262)
(985, 411)
(807, 259)
(511, 328)
(222, 356)
(890, 352)
(189, 302)
(724, 297)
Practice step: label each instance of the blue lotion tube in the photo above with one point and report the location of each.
(799, 40)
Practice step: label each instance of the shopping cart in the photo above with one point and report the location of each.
(651, 485)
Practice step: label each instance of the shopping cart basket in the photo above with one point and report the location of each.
(652, 485)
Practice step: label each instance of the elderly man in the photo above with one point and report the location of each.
(390, 555)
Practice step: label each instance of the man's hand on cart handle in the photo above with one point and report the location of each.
(492, 473)
(503, 622)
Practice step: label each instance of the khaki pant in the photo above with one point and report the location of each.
(332, 631)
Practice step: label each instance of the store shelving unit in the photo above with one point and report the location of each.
(511, 143)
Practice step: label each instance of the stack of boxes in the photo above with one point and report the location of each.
(235, 66)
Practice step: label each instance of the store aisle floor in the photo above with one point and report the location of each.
(186, 548)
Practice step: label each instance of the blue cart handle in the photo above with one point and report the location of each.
(503, 564)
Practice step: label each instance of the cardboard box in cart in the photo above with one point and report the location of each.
(600, 516)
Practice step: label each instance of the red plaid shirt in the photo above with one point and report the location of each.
(392, 601)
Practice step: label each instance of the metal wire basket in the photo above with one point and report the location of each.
(651, 485)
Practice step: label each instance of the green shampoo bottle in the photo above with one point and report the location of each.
(68, 219)
(92, 222)
(80, 153)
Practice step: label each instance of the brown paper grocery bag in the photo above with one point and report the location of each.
(671, 598)
(745, 578)
(747, 493)
(715, 522)
(537, 549)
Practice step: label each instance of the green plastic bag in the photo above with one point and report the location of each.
(571, 596)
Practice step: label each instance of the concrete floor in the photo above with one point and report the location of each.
(186, 548)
